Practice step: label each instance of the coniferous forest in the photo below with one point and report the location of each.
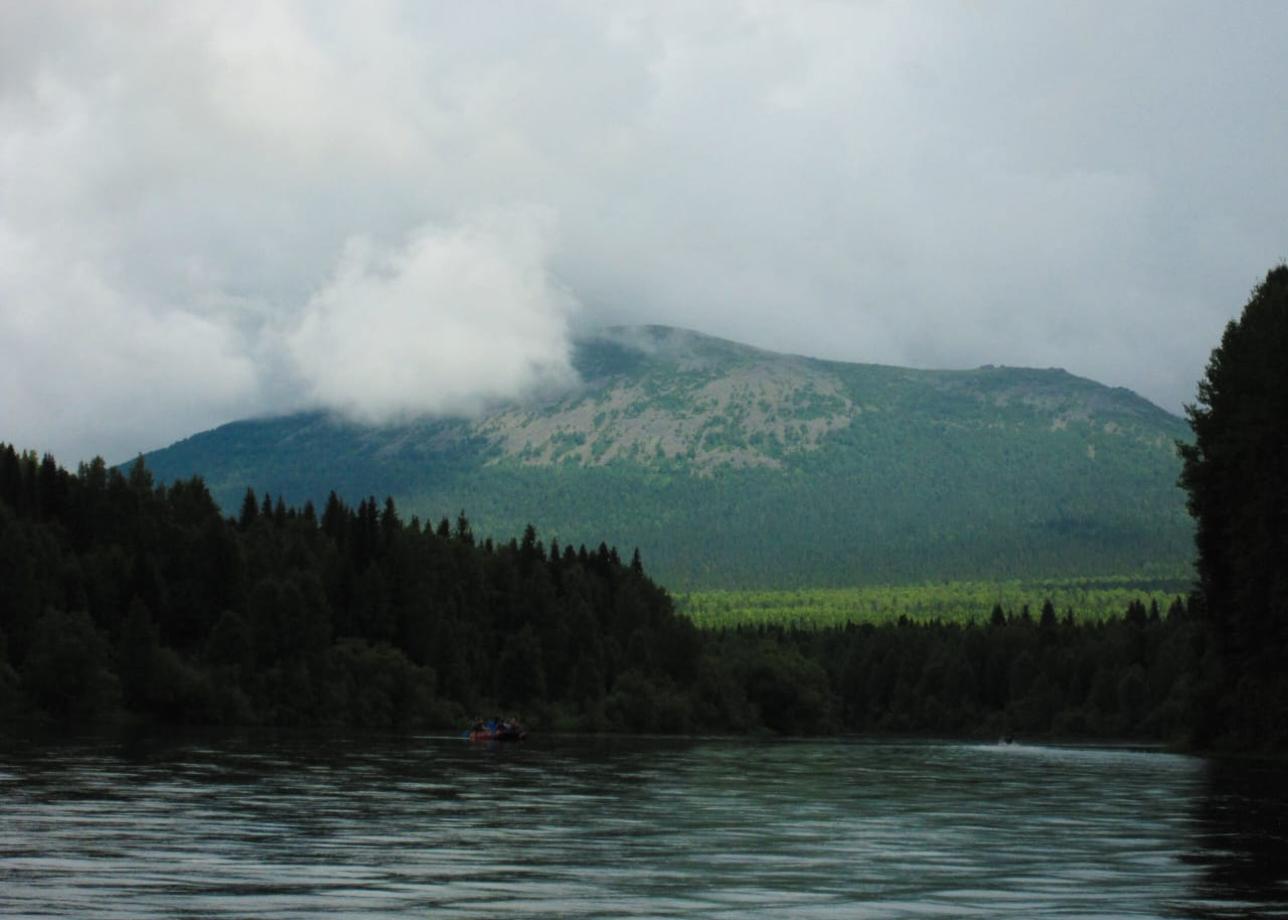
(129, 599)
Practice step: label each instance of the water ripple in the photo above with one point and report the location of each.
(627, 828)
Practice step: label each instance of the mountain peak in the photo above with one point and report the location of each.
(685, 444)
(628, 349)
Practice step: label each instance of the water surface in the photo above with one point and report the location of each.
(235, 826)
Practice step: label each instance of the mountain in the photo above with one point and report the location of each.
(732, 466)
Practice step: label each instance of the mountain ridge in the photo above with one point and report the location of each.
(695, 448)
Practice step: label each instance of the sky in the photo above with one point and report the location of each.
(216, 210)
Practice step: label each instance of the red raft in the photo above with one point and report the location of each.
(504, 731)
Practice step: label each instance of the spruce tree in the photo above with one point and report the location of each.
(249, 510)
(1236, 474)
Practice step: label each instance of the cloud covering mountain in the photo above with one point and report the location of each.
(213, 210)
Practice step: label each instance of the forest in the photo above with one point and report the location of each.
(1101, 598)
(127, 599)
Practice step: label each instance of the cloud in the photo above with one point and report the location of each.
(210, 210)
(454, 318)
(85, 364)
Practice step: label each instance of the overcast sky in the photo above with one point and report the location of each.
(209, 211)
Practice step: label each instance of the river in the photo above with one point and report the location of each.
(301, 826)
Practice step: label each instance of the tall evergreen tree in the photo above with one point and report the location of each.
(1236, 474)
(249, 510)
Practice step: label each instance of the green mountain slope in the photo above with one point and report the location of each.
(733, 466)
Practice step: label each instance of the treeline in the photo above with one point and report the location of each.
(124, 595)
(947, 601)
(125, 598)
(1018, 675)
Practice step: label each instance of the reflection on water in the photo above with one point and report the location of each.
(1241, 841)
(633, 827)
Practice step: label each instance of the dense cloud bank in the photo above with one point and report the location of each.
(212, 210)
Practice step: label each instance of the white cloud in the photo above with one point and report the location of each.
(182, 186)
(84, 364)
(453, 319)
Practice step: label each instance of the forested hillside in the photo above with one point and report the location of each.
(124, 598)
(735, 467)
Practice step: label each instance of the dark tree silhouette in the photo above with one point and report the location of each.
(1236, 474)
(123, 593)
(249, 510)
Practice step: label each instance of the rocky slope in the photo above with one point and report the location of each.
(729, 465)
